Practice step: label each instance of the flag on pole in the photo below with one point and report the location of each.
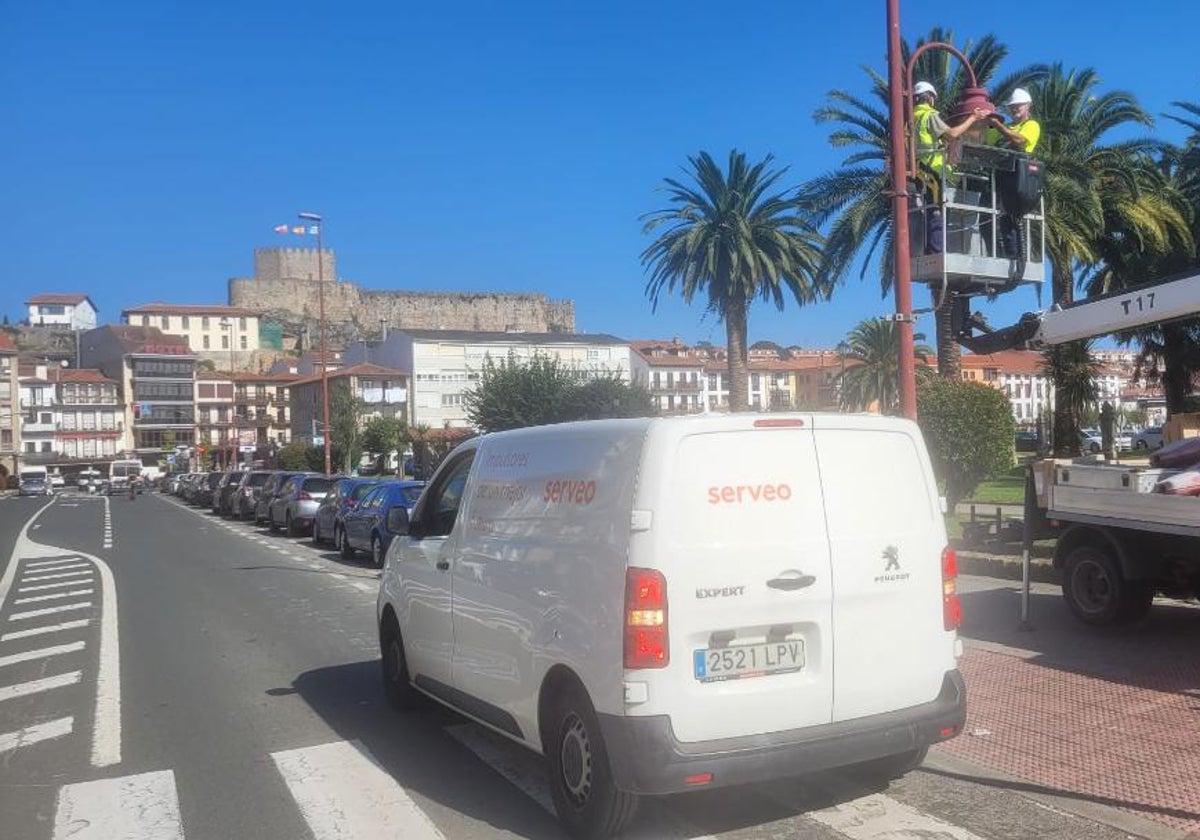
(298, 229)
(314, 230)
(281, 228)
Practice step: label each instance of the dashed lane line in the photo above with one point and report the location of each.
(40, 653)
(49, 628)
(54, 596)
(37, 686)
(38, 732)
(22, 616)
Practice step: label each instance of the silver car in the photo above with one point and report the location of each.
(1150, 438)
(296, 504)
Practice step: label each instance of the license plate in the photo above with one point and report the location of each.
(743, 661)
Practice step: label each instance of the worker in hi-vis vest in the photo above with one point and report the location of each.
(1021, 135)
(932, 135)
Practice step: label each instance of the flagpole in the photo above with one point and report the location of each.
(313, 217)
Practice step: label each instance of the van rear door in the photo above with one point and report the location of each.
(738, 532)
(886, 540)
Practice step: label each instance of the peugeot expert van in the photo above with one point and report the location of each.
(664, 605)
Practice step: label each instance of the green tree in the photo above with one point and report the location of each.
(872, 370)
(968, 428)
(380, 436)
(854, 201)
(512, 394)
(344, 410)
(731, 240)
(606, 396)
(1073, 371)
(294, 456)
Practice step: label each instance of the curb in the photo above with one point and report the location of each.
(1006, 567)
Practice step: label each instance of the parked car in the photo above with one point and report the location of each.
(225, 486)
(87, 480)
(205, 487)
(1089, 440)
(597, 618)
(365, 528)
(246, 497)
(344, 495)
(1026, 442)
(1149, 438)
(57, 481)
(274, 483)
(296, 503)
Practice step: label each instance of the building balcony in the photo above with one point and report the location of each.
(40, 457)
(676, 388)
(44, 402)
(28, 428)
(162, 422)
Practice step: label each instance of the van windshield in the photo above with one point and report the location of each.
(33, 476)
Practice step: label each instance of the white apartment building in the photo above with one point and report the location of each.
(1019, 374)
(445, 364)
(212, 332)
(69, 415)
(74, 310)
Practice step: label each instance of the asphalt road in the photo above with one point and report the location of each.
(180, 675)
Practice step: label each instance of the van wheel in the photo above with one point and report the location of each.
(891, 766)
(1096, 591)
(588, 802)
(394, 668)
(377, 552)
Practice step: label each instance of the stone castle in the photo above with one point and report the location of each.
(284, 288)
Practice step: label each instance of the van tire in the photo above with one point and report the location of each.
(587, 800)
(394, 668)
(1096, 591)
(891, 766)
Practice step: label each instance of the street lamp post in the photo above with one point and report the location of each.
(227, 327)
(316, 220)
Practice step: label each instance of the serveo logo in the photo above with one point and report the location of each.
(738, 494)
(570, 492)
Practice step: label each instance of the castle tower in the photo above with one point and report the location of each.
(293, 264)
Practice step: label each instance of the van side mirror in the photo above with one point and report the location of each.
(397, 520)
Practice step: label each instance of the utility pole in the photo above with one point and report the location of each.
(317, 221)
(903, 266)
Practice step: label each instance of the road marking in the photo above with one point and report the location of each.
(33, 734)
(876, 816)
(40, 653)
(8, 692)
(56, 576)
(38, 564)
(44, 586)
(527, 776)
(342, 793)
(21, 616)
(53, 596)
(108, 533)
(144, 806)
(106, 731)
(50, 628)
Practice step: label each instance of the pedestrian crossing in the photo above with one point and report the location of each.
(341, 790)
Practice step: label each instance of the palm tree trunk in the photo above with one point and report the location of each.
(948, 354)
(1066, 430)
(735, 336)
(1176, 373)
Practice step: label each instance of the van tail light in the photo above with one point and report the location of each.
(951, 603)
(646, 619)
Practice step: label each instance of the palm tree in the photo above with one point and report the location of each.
(1073, 371)
(1096, 194)
(854, 200)
(729, 240)
(872, 372)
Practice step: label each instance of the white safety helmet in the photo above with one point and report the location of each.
(1019, 96)
(922, 88)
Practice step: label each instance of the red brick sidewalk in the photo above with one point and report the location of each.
(1134, 747)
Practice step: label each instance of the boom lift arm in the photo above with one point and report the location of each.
(1171, 299)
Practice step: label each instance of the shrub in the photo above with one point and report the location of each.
(969, 431)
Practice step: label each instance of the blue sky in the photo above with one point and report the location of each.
(150, 147)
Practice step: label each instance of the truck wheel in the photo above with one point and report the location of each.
(394, 667)
(1094, 588)
(1139, 597)
(588, 802)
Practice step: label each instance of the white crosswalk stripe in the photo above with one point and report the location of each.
(49, 628)
(46, 564)
(54, 596)
(8, 692)
(22, 616)
(41, 587)
(40, 653)
(57, 576)
(33, 734)
(342, 792)
(141, 807)
(880, 817)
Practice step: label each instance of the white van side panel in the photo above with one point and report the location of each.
(540, 573)
(886, 538)
(735, 505)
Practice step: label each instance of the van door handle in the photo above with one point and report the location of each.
(443, 565)
(792, 580)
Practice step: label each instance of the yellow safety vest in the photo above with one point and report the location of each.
(930, 151)
(1030, 129)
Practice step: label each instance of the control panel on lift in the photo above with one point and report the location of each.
(994, 227)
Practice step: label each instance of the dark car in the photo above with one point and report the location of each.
(242, 502)
(1026, 442)
(345, 494)
(205, 487)
(296, 503)
(269, 492)
(364, 528)
(224, 491)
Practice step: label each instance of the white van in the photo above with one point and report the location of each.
(662, 605)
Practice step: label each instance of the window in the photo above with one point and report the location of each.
(204, 322)
(47, 417)
(439, 508)
(224, 342)
(145, 320)
(242, 323)
(166, 322)
(243, 342)
(205, 342)
(186, 322)
(46, 446)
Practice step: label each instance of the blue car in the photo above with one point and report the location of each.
(344, 496)
(365, 527)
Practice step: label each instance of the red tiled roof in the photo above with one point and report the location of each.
(365, 369)
(267, 378)
(1006, 361)
(79, 375)
(6, 343)
(69, 298)
(188, 309)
